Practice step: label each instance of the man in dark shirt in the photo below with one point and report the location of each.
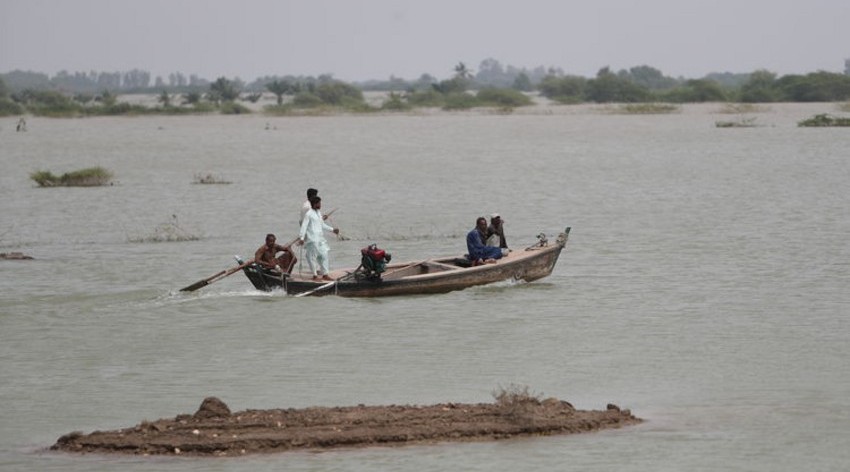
(479, 253)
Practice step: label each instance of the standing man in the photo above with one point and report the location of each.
(312, 236)
(307, 206)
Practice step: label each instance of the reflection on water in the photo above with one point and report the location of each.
(704, 284)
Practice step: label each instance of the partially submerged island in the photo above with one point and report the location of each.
(214, 431)
(15, 256)
(88, 177)
(824, 120)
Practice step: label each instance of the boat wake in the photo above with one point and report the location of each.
(175, 296)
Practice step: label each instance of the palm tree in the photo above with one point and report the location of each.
(165, 99)
(280, 88)
(191, 98)
(223, 90)
(461, 71)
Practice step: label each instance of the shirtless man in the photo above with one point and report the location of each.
(266, 255)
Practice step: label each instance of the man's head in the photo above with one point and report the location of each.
(481, 223)
(311, 192)
(316, 202)
(495, 219)
(270, 240)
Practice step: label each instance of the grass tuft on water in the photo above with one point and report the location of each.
(742, 122)
(824, 120)
(644, 109)
(89, 177)
(516, 402)
(208, 178)
(742, 108)
(167, 232)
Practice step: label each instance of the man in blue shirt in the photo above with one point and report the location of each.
(480, 253)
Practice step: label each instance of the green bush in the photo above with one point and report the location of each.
(307, 100)
(202, 107)
(502, 98)
(89, 177)
(569, 89)
(335, 93)
(824, 120)
(285, 109)
(233, 108)
(695, 91)
(10, 108)
(647, 109)
(50, 103)
(426, 98)
(395, 102)
(460, 101)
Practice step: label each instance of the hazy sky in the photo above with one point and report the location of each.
(373, 39)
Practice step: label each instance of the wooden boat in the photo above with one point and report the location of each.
(436, 275)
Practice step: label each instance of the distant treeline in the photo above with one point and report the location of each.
(93, 93)
(645, 84)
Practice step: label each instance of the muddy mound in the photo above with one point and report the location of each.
(15, 256)
(212, 407)
(214, 431)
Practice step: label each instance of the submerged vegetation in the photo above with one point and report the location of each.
(208, 178)
(742, 122)
(742, 108)
(645, 109)
(90, 177)
(824, 120)
(169, 231)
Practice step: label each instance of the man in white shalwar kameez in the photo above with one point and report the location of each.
(313, 237)
(307, 206)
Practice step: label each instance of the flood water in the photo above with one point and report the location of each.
(704, 286)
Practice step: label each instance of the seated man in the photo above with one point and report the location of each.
(496, 232)
(479, 253)
(266, 255)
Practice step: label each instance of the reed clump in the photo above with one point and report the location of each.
(743, 122)
(824, 120)
(517, 402)
(169, 231)
(645, 109)
(89, 177)
(742, 108)
(208, 178)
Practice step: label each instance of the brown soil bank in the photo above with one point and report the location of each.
(214, 431)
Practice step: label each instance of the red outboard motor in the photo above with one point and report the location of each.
(373, 261)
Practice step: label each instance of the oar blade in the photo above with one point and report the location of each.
(195, 286)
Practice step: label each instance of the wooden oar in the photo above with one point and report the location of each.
(215, 277)
(322, 287)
